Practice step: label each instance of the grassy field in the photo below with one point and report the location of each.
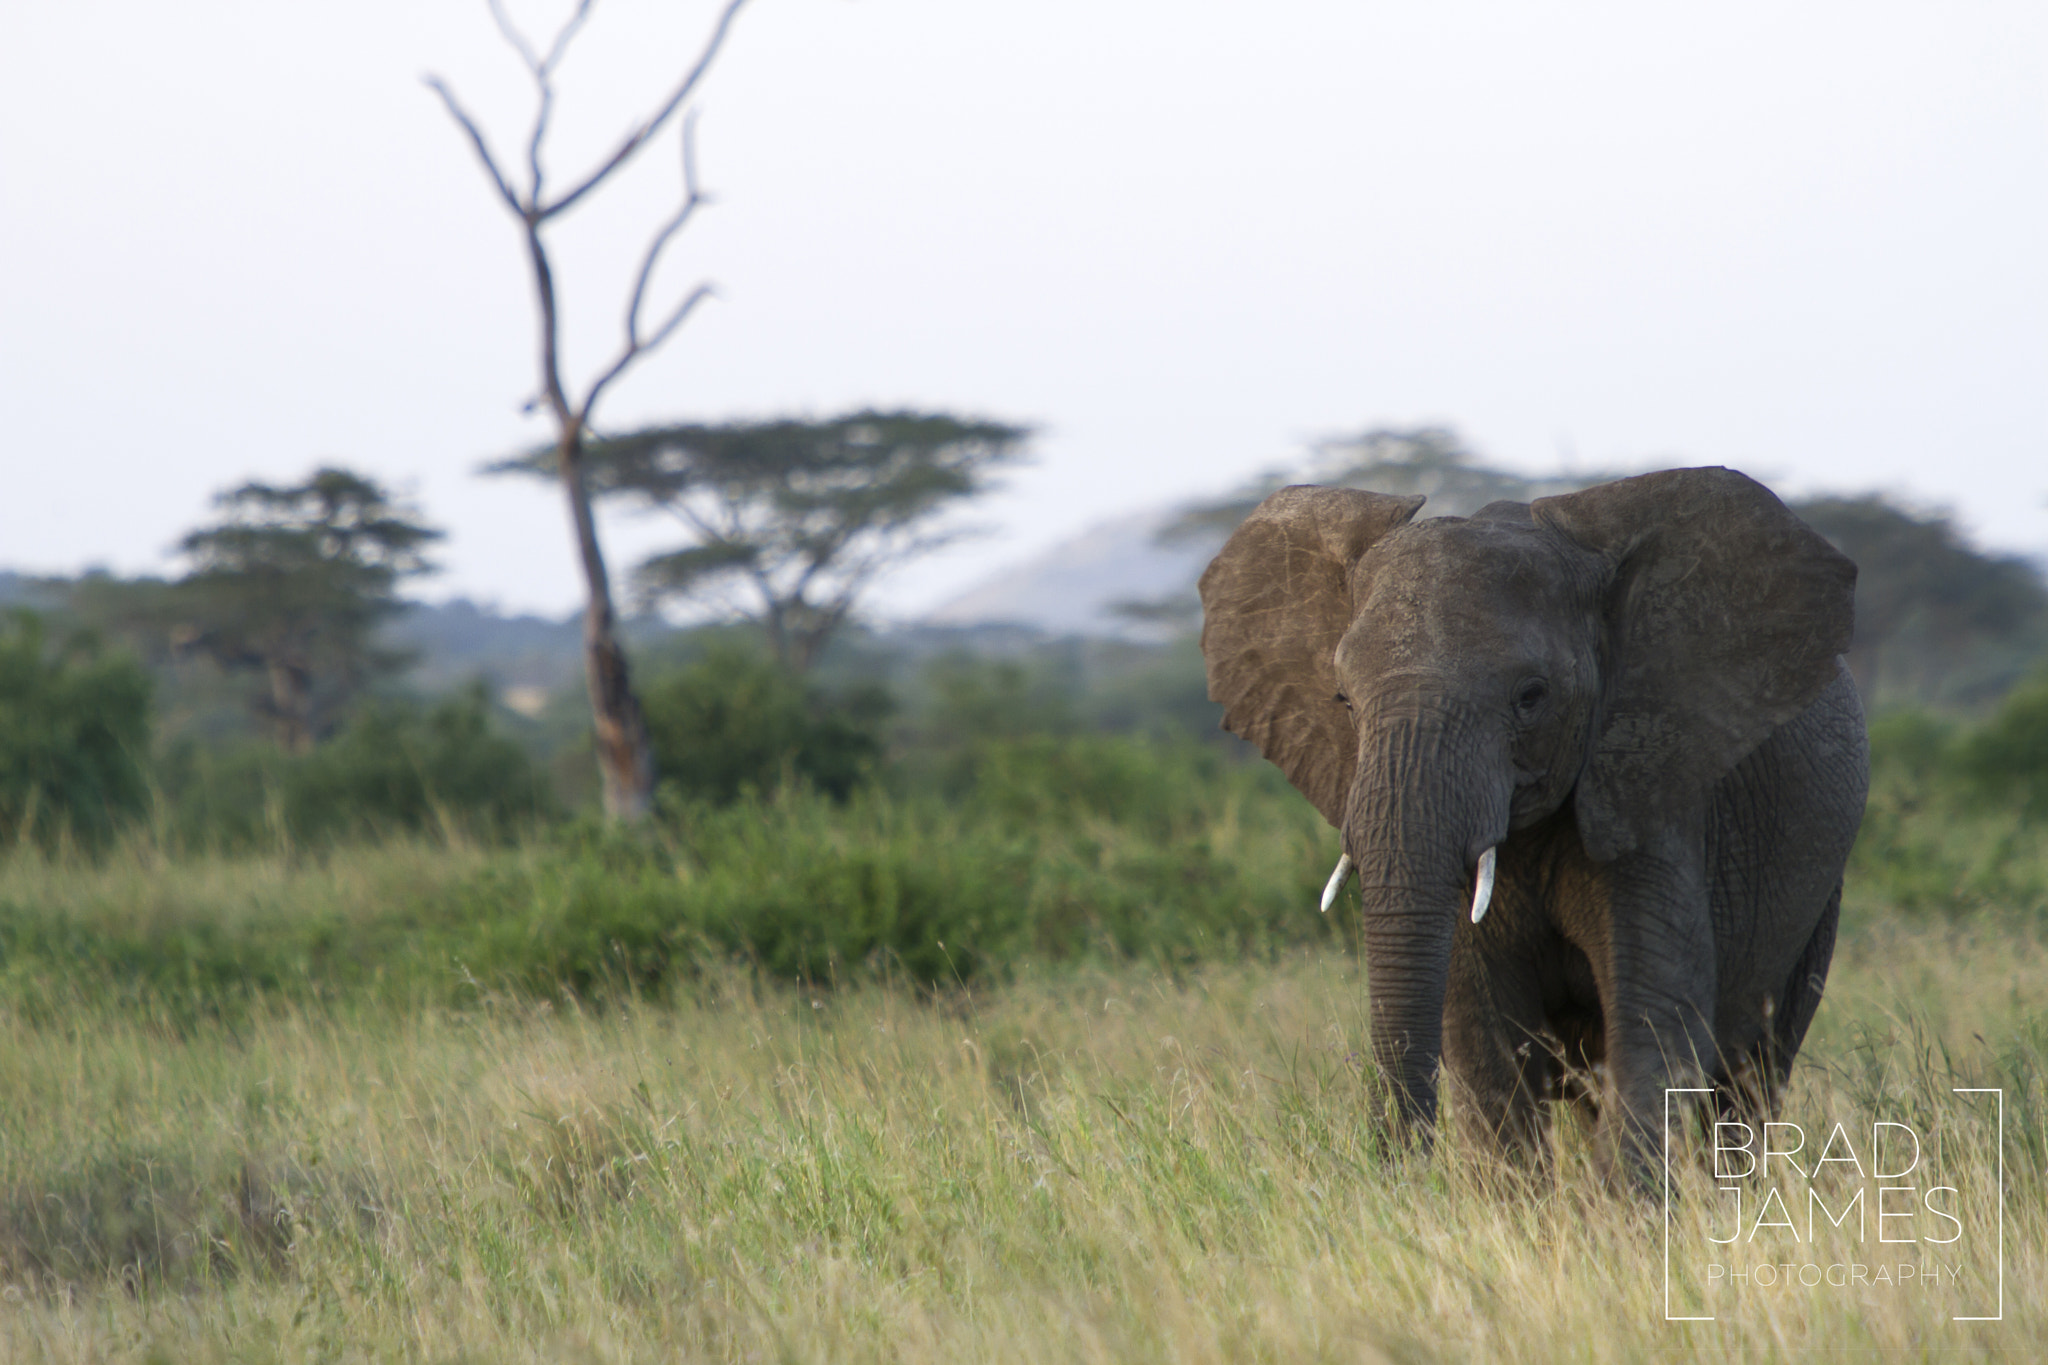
(1132, 1153)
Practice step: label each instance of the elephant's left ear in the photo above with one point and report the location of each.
(1275, 602)
(1725, 617)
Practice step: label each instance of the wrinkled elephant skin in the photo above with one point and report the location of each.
(1632, 697)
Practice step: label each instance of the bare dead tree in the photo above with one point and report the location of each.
(623, 752)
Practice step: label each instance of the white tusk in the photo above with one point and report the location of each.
(1336, 882)
(1483, 892)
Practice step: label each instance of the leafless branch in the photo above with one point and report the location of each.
(542, 70)
(568, 31)
(638, 137)
(675, 319)
(512, 35)
(476, 139)
(541, 115)
(695, 520)
(692, 199)
(636, 348)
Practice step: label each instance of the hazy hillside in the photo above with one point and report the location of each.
(22, 590)
(523, 657)
(1072, 588)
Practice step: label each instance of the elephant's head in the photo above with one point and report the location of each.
(1434, 686)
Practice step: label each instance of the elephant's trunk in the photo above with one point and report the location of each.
(1429, 800)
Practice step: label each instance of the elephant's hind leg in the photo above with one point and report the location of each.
(1753, 1092)
(1801, 996)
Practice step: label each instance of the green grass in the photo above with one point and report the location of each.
(1086, 1163)
(1045, 855)
(716, 1093)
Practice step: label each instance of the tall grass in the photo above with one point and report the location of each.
(1082, 1164)
(1056, 1062)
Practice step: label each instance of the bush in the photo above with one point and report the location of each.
(74, 728)
(1160, 860)
(399, 768)
(396, 767)
(733, 723)
(2005, 760)
(940, 893)
(1946, 829)
(1911, 749)
(1052, 782)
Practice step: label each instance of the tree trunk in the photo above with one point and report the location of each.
(624, 756)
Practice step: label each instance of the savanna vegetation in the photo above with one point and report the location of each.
(951, 1005)
(1034, 1047)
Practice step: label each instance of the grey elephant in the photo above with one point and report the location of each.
(1597, 765)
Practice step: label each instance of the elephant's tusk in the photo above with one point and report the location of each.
(1336, 882)
(1482, 894)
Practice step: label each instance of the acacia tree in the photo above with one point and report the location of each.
(623, 751)
(1927, 602)
(804, 514)
(292, 583)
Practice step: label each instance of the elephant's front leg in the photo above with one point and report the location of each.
(1656, 980)
(1496, 1056)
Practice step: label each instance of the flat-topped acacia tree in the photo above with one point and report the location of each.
(292, 583)
(623, 752)
(801, 515)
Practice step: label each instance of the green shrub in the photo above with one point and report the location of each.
(396, 767)
(734, 722)
(74, 727)
(399, 767)
(1156, 857)
(939, 891)
(1911, 749)
(970, 700)
(1946, 829)
(2005, 760)
(1056, 782)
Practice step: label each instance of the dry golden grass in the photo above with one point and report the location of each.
(1114, 1166)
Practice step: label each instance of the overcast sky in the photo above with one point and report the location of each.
(1182, 238)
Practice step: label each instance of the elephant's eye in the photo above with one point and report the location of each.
(1346, 700)
(1529, 696)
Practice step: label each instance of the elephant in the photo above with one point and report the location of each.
(1613, 725)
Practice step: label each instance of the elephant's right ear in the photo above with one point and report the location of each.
(1275, 602)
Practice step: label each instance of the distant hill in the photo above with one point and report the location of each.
(523, 658)
(20, 590)
(1073, 588)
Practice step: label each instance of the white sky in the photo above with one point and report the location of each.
(1808, 240)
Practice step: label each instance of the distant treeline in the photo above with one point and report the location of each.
(959, 858)
(95, 743)
(281, 694)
